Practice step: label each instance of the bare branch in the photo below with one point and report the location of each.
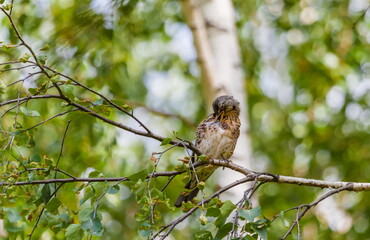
(361, 16)
(65, 180)
(261, 177)
(11, 62)
(24, 79)
(15, 68)
(29, 98)
(306, 207)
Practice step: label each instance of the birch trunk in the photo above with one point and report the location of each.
(213, 26)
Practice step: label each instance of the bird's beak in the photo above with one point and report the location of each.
(221, 116)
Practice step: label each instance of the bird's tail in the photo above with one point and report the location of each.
(186, 197)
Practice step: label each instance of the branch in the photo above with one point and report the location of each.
(50, 118)
(24, 79)
(15, 68)
(42, 211)
(106, 120)
(261, 177)
(135, 131)
(102, 96)
(65, 180)
(88, 180)
(173, 224)
(29, 98)
(268, 177)
(361, 16)
(347, 187)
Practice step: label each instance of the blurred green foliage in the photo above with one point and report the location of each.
(307, 76)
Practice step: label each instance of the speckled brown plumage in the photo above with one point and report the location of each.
(216, 137)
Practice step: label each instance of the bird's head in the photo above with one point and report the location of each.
(224, 106)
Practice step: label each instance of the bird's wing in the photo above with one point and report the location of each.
(202, 130)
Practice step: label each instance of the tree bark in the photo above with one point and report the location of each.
(213, 26)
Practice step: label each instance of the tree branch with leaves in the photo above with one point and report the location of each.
(70, 199)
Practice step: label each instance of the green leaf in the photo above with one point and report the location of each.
(113, 189)
(42, 59)
(127, 107)
(145, 229)
(85, 213)
(7, 7)
(156, 193)
(260, 231)
(95, 174)
(93, 226)
(33, 91)
(88, 194)
(226, 209)
(28, 112)
(98, 102)
(45, 193)
(203, 235)
(145, 233)
(74, 232)
(2, 88)
(224, 230)
(249, 214)
(166, 141)
(35, 158)
(24, 58)
(68, 91)
(2, 1)
(50, 220)
(202, 157)
(213, 212)
(45, 47)
(203, 219)
(41, 89)
(53, 205)
(201, 185)
(103, 109)
(139, 175)
(31, 176)
(65, 220)
(12, 215)
(285, 222)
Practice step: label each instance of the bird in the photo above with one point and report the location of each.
(216, 137)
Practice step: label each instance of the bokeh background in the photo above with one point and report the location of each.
(307, 80)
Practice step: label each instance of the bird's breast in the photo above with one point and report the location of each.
(216, 140)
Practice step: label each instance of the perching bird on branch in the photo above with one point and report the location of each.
(216, 138)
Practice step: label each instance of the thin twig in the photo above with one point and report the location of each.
(29, 98)
(102, 96)
(15, 68)
(265, 177)
(361, 16)
(19, 36)
(42, 211)
(173, 224)
(306, 207)
(11, 7)
(55, 116)
(23, 79)
(61, 151)
(11, 62)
